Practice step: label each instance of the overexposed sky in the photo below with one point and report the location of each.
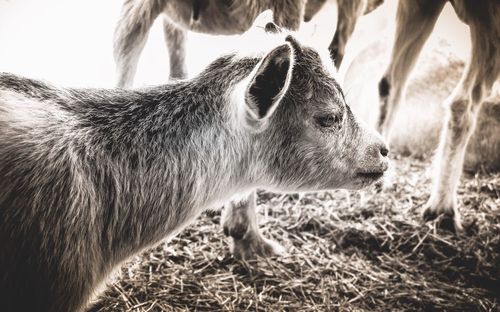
(69, 42)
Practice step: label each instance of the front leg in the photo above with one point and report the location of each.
(415, 21)
(476, 85)
(130, 36)
(348, 13)
(240, 222)
(175, 38)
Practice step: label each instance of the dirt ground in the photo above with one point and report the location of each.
(349, 251)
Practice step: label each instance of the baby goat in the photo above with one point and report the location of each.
(91, 177)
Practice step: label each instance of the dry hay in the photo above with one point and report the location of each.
(346, 251)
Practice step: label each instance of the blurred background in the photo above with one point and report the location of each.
(70, 43)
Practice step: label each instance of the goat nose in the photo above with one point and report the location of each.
(384, 151)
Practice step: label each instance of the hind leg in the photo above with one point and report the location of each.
(130, 37)
(175, 39)
(415, 21)
(348, 13)
(312, 7)
(240, 222)
(480, 76)
(457, 129)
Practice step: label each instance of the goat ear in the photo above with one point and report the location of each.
(269, 83)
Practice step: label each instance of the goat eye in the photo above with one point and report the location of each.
(327, 121)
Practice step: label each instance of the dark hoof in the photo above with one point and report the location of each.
(236, 232)
(444, 220)
(446, 223)
(429, 215)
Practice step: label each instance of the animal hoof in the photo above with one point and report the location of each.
(236, 231)
(254, 245)
(445, 219)
(429, 214)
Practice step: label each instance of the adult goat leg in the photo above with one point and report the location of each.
(415, 22)
(130, 36)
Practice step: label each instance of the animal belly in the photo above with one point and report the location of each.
(217, 17)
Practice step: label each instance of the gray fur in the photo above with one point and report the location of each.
(215, 17)
(90, 177)
(224, 17)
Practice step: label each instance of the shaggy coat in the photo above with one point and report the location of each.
(90, 177)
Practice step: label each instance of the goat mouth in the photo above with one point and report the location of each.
(374, 175)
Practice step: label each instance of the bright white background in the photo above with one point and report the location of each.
(69, 42)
